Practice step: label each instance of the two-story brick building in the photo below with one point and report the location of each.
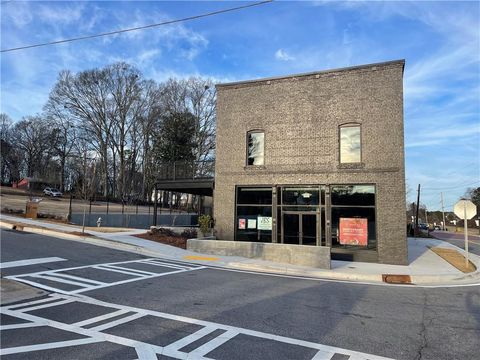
(315, 159)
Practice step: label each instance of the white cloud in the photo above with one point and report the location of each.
(18, 12)
(282, 55)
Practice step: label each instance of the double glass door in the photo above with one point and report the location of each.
(300, 228)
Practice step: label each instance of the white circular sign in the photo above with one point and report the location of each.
(459, 209)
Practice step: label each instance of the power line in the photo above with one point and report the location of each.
(138, 27)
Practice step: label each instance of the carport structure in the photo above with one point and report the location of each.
(188, 177)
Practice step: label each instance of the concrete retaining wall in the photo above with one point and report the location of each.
(312, 256)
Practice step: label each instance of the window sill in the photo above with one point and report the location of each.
(254, 167)
(360, 165)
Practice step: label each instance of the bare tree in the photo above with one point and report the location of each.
(34, 139)
(86, 98)
(66, 134)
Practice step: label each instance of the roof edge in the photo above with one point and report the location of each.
(349, 68)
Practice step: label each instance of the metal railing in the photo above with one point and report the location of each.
(186, 170)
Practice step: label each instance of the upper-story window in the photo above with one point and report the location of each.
(350, 144)
(255, 148)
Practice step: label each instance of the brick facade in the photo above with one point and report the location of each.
(301, 115)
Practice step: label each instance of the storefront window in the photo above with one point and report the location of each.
(254, 222)
(300, 196)
(247, 195)
(360, 195)
(353, 216)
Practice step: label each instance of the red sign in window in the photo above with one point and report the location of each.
(353, 231)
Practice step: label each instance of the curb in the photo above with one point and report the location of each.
(438, 280)
(112, 244)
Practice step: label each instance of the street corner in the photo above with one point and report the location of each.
(13, 291)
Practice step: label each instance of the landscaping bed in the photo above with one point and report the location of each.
(169, 237)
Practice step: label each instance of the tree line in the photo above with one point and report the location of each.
(107, 131)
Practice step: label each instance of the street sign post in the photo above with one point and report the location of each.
(465, 209)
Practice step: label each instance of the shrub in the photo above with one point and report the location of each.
(163, 232)
(204, 223)
(189, 233)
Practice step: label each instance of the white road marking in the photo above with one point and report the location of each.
(145, 352)
(34, 302)
(54, 345)
(323, 355)
(100, 318)
(21, 326)
(117, 322)
(164, 265)
(60, 280)
(174, 347)
(213, 344)
(104, 268)
(170, 350)
(43, 306)
(88, 281)
(86, 284)
(27, 262)
(139, 272)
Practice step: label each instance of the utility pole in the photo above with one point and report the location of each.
(443, 212)
(418, 205)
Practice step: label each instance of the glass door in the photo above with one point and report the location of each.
(299, 228)
(291, 228)
(308, 230)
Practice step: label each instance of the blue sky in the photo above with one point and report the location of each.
(439, 40)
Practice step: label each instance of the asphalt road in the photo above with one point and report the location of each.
(458, 239)
(119, 305)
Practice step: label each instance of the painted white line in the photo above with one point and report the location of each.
(117, 322)
(21, 326)
(231, 331)
(323, 355)
(59, 274)
(103, 267)
(131, 280)
(212, 344)
(145, 352)
(29, 303)
(254, 333)
(155, 263)
(98, 336)
(38, 285)
(141, 272)
(54, 345)
(173, 347)
(85, 287)
(100, 318)
(60, 280)
(85, 266)
(44, 306)
(27, 262)
(187, 266)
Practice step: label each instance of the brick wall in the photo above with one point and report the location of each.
(301, 116)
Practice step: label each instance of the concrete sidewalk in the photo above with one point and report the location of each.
(425, 267)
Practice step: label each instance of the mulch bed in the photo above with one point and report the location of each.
(455, 259)
(177, 241)
(79, 233)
